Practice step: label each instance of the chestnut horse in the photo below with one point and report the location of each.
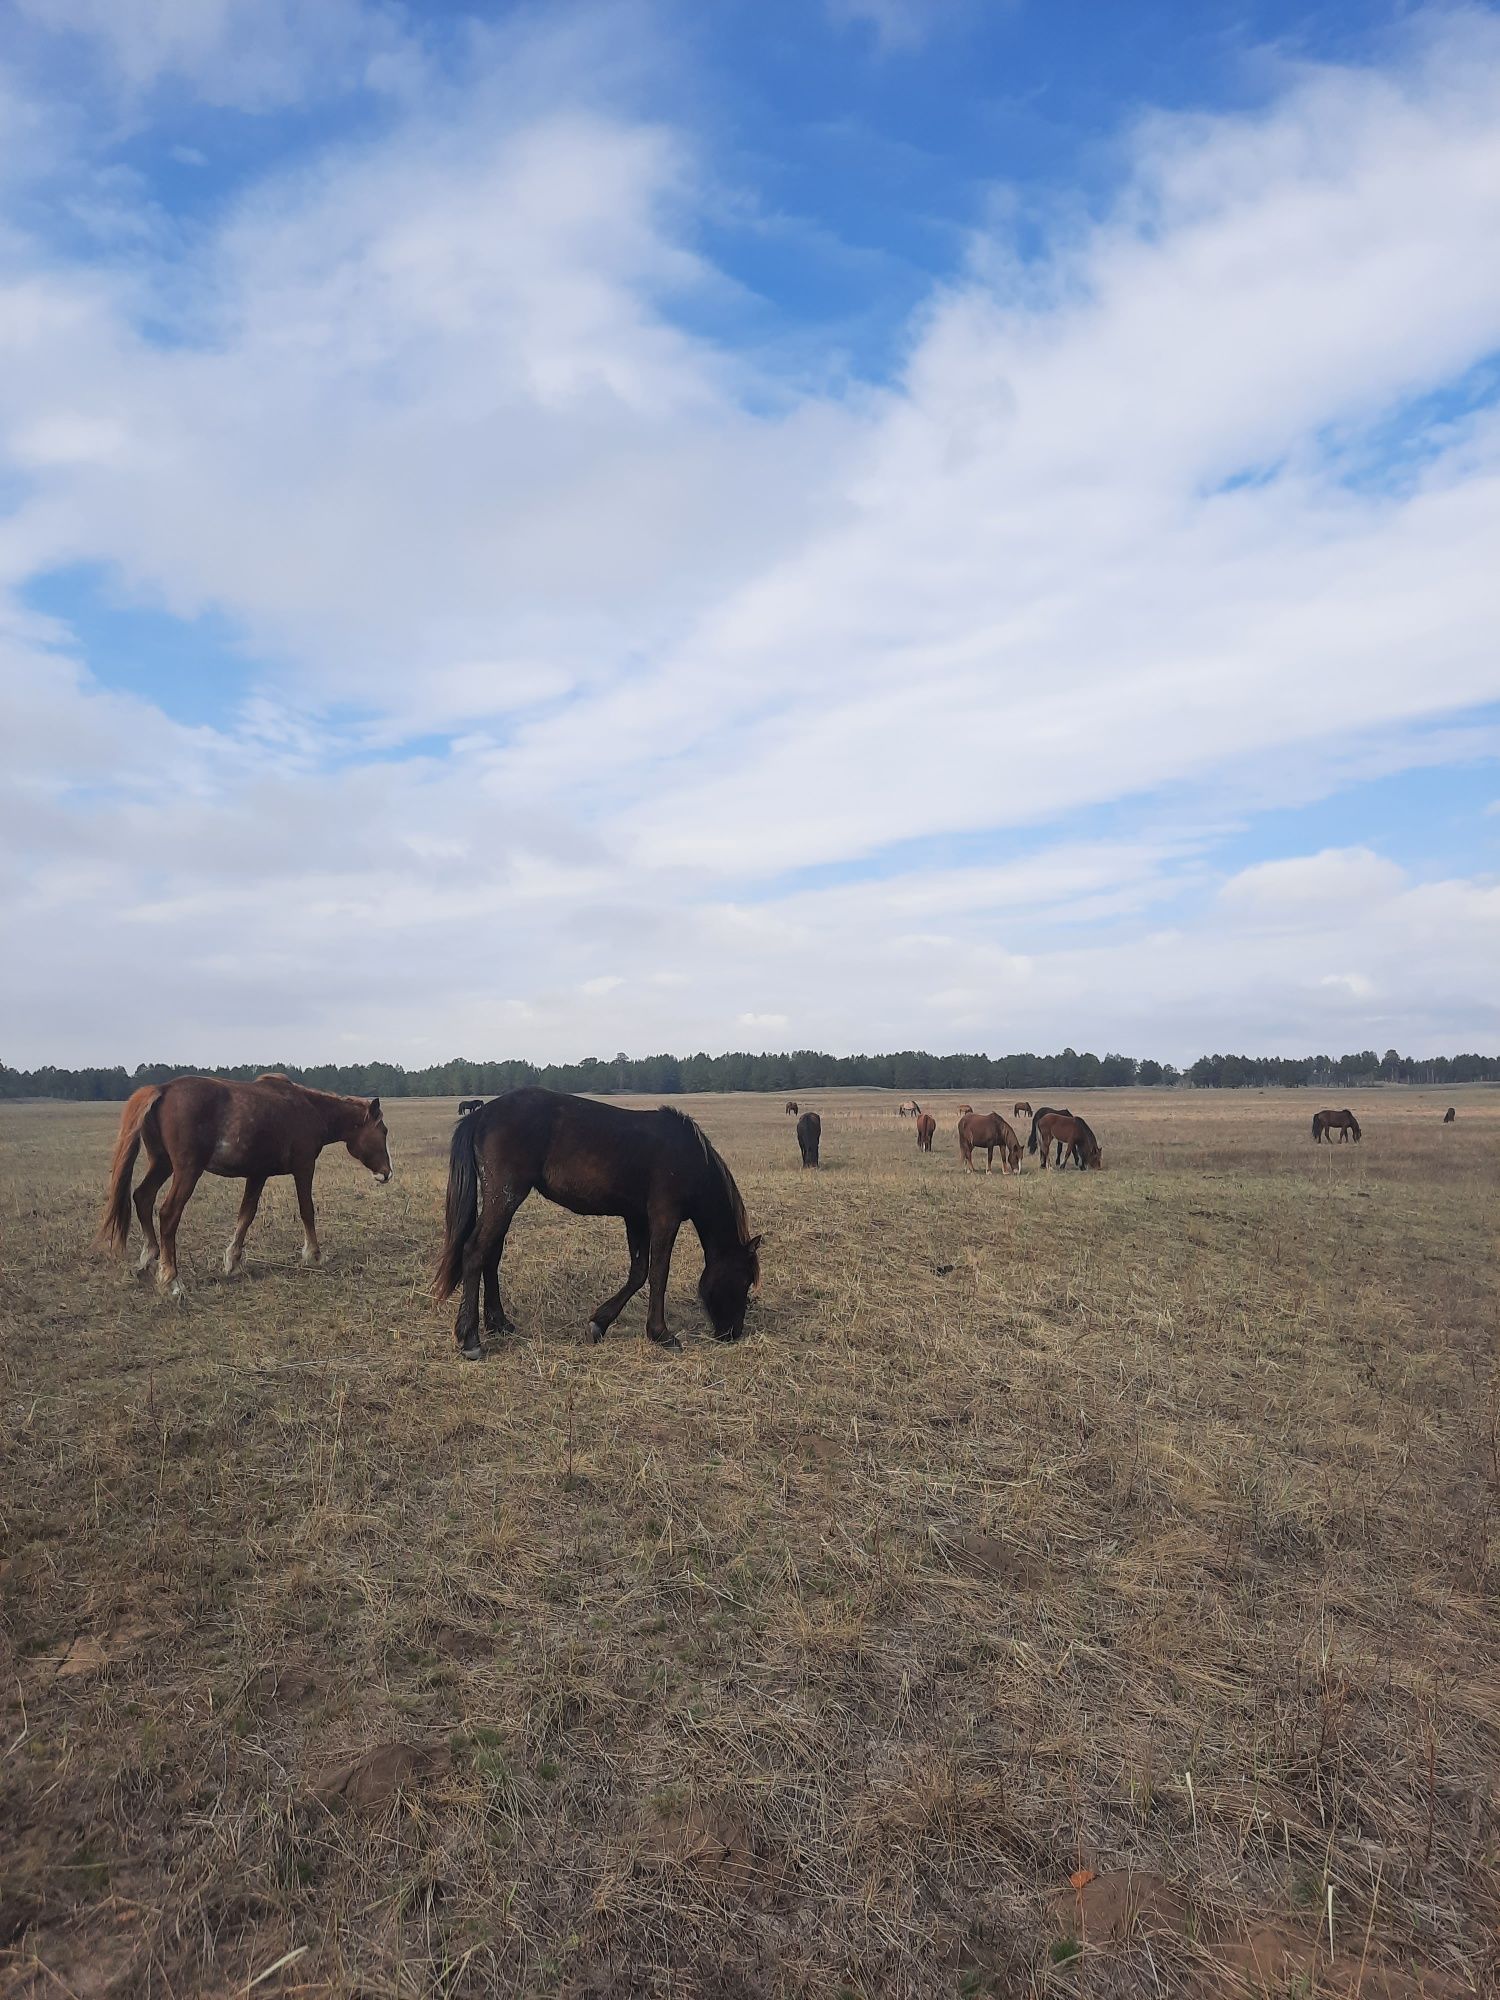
(1021, 1109)
(809, 1134)
(1069, 1134)
(908, 1108)
(791, 1107)
(198, 1125)
(1343, 1122)
(926, 1126)
(964, 1110)
(984, 1131)
(654, 1169)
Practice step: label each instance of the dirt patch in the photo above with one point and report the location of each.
(715, 1842)
(987, 1555)
(1119, 1904)
(1273, 1960)
(370, 1781)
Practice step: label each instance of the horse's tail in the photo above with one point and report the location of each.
(114, 1224)
(461, 1215)
(1031, 1141)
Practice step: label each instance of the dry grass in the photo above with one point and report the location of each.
(1142, 1521)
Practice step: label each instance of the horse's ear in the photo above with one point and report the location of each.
(755, 1242)
(374, 1107)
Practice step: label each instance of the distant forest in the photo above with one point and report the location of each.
(803, 1069)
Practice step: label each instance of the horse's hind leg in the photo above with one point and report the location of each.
(157, 1173)
(185, 1177)
(492, 1234)
(603, 1317)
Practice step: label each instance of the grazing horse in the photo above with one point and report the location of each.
(1069, 1134)
(964, 1110)
(654, 1169)
(1449, 1115)
(791, 1107)
(1343, 1122)
(909, 1108)
(809, 1133)
(1021, 1109)
(926, 1126)
(468, 1104)
(198, 1125)
(985, 1130)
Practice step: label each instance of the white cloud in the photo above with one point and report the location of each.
(424, 418)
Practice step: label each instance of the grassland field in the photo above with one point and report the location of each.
(1080, 1584)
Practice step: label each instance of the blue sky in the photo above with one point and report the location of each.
(874, 523)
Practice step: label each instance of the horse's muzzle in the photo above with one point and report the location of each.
(383, 1178)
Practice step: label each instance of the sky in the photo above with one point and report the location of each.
(847, 524)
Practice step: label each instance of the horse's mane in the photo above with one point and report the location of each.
(716, 1165)
(279, 1080)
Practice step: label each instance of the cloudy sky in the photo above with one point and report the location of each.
(837, 523)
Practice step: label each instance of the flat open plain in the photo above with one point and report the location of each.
(1139, 1527)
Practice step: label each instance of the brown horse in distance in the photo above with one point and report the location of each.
(468, 1104)
(964, 1110)
(809, 1136)
(791, 1107)
(926, 1126)
(1021, 1109)
(654, 1169)
(198, 1125)
(1343, 1122)
(1069, 1134)
(984, 1131)
(1449, 1115)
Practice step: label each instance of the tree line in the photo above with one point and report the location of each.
(803, 1069)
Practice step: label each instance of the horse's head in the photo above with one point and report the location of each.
(1092, 1157)
(731, 1278)
(369, 1144)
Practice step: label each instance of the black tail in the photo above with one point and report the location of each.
(462, 1211)
(1031, 1141)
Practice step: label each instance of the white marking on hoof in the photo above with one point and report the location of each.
(311, 1254)
(596, 1332)
(144, 1262)
(234, 1261)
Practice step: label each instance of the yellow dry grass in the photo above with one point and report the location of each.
(1139, 1525)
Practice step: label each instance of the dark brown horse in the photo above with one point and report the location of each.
(809, 1135)
(1021, 1109)
(1449, 1115)
(983, 1131)
(926, 1126)
(468, 1104)
(1070, 1135)
(198, 1125)
(654, 1169)
(792, 1107)
(1343, 1122)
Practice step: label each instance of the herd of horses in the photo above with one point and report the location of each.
(655, 1170)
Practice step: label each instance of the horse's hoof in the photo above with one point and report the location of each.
(596, 1333)
(471, 1351)
(669, 1341)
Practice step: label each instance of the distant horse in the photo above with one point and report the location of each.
(791, 1107)
(1021, 1109)
(964, 1110)
(926, 1126)
(1449, 1115)
(909, 1108)
(198, 1125)
(809, 1132)
(654, 1169)
(1070, 1135)
(984, 1131)
(468, 1104)
(1343, 1122)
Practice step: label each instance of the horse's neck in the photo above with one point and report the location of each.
(713, 1216)
(337, 1116)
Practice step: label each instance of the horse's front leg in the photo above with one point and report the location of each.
(663, 1236)
(303, 1176)
(234, 1255)
(603, 1317)
(491, 1236)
